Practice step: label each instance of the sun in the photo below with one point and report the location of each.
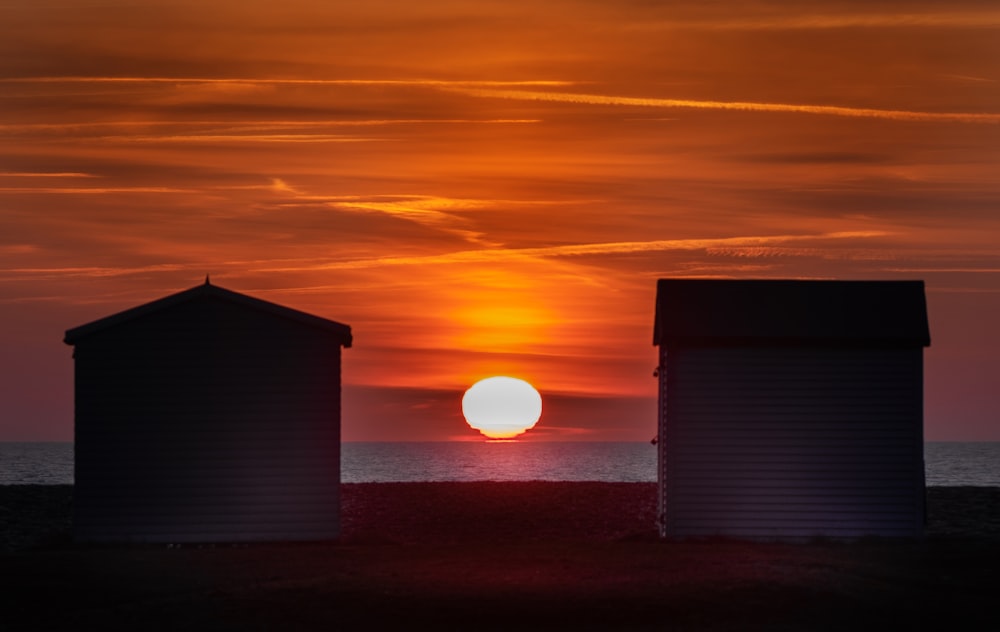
(502, 407)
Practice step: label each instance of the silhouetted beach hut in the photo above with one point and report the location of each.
(790, 409)
(207, 416)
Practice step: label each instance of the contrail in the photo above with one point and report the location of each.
(575, 250)
(442, 83)
(745, 106)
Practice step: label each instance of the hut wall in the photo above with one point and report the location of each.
(791, 442)
(207, 421)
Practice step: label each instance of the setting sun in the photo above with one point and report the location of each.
(502, 407)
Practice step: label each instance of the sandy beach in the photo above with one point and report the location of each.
(498, 556)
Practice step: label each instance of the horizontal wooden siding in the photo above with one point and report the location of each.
(777, 443)
(207, 422)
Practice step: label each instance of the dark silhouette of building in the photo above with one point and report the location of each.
(790, 409)
(207, 416)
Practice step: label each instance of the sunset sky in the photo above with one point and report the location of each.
(493, 187)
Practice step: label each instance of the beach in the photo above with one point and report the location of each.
(497, 556)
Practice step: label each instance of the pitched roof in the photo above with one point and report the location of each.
(698, 311)
(207, 290)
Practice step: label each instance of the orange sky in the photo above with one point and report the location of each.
(484, 188)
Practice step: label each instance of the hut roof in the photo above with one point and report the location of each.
(207, 290)
(699, 311)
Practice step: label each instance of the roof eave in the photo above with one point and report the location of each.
(674, 342)
(783, 299)
(342, 331)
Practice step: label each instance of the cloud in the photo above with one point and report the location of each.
(243, 138)
(769, 252)
(222, 133)
(55, 174)
(761, 16)
(966, 270)
(18, 249)
(571, 250)
(237, 81)
(428, 211)
(57, 273)
(93, 190)
(234, 126)
(447, 215)
(817, 157)
(742, 106)
(970, 79)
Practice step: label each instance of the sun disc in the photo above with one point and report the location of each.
(502, 407)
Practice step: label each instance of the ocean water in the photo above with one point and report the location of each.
(36, 463)
(947, 463)
(498, 461)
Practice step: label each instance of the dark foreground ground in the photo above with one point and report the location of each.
(501, 556)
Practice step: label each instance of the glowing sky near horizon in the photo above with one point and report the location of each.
(492, 188)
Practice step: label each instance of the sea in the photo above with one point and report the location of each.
(947, 463)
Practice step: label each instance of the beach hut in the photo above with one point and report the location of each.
(207, 416)
(790, 409)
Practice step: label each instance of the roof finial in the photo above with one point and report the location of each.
(207, 282)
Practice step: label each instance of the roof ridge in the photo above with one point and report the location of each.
(75, 334)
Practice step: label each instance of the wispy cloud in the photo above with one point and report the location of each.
(769, 252)
(572, 250)
(18, 249)
(53, 174)
(426, 211)
(264, 132)
(744, 106)
(93, 190)
(745, 247)
(964, 270)
(970, 78)
(63, 272)
(970, 19)
(253, 125)
(445, 214)
(303, 82)
(243, 138)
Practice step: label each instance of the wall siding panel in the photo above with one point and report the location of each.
(207, 421)
(791, 442)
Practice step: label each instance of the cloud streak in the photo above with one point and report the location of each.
(244, 138)
(741, 106)
(832, 20)
(435, 83)
(93, 190)
(742, 247)
(255, 125)
(427, 211)
(53, 174)
(576, 250)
